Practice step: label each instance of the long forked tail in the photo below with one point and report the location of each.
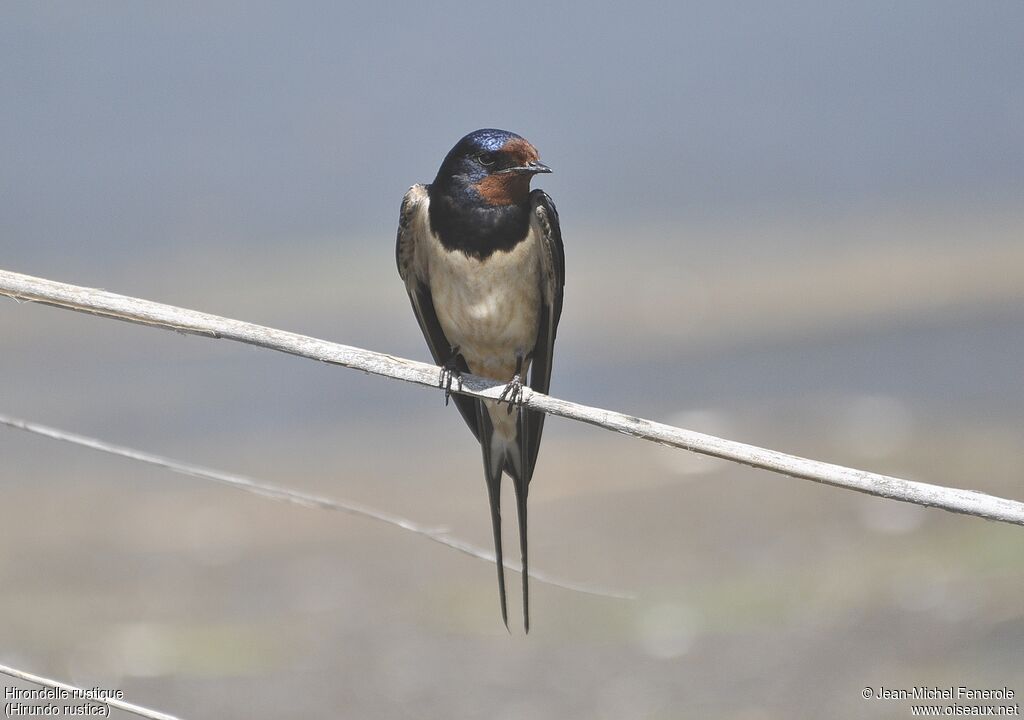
(510, 455)
(493, 464)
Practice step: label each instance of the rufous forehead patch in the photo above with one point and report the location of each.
(521, 151)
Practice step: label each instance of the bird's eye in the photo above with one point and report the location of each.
(485, 159)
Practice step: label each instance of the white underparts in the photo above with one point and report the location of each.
(489, 309)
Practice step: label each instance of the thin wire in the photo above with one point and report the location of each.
(275, 492)
(84, 695)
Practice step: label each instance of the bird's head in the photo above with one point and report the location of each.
(496, 164)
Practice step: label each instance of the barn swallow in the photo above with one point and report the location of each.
(482, 260)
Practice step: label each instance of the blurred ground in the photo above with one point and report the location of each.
(760, 596)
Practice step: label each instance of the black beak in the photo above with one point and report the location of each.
(530, 168)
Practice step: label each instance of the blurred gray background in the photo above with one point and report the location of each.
(796, 224)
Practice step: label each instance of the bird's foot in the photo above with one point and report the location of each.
(449, 372)
(513, 393)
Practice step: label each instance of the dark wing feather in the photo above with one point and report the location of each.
(410, 228)
(544, 218)
(544, 222)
